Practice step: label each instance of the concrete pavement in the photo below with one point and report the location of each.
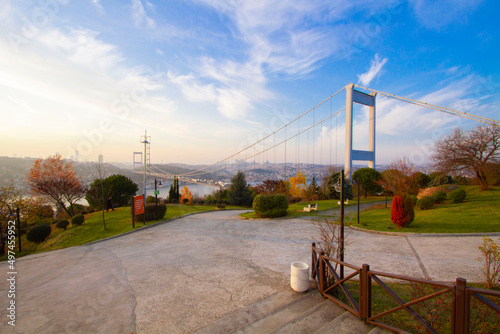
(181, 275)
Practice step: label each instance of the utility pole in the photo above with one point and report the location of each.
(147, 141)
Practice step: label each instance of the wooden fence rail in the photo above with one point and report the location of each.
(332, 286)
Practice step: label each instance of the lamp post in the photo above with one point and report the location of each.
(340, 189)
(156, 198)
(18, 226)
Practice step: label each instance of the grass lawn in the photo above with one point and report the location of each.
(436, 311)
(117, 222)
(297, 209)
(479, 213)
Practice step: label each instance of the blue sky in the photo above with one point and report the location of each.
(208, 77)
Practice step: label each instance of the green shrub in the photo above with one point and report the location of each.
(425, 203)
(77, 208)
(439, 196)
(150, 199)
(271, 206)
(408, 210)
(39, 233)
(150, 210)
(413, 199)
(77, 220)
(457, 195)
(64, 223)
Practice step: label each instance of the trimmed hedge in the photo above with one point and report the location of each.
(457, 195)
(64, 223)
(150, 210)
(39, 233)
(77, 220)
(439, 196)
(270, 206)
(425, 203)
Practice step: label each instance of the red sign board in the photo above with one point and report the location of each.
(139, 204)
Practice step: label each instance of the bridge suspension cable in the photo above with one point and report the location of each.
(198, 171)
(264, 150)
(435, 107)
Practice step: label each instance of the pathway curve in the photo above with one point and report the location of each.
(185, 273)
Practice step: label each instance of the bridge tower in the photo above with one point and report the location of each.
(355, 96)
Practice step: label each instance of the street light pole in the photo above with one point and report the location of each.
(156, 199)
(146, 141)
(342, 223)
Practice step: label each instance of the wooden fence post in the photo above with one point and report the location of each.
(313, 267)
(365, 293)
(460, 320)
(321, 272)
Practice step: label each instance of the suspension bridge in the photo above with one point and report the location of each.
(311, 141)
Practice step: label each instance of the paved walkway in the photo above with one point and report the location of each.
(183, 274)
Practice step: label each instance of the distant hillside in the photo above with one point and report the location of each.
(13, 171)
(179, 169)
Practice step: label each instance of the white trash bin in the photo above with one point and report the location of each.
(299, 279)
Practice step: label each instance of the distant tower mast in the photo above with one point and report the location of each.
(147, 157)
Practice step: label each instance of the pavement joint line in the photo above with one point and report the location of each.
(437, 235)
(419, 260)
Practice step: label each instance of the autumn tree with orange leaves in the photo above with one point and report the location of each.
(186, 194)
(56, 181)
(298, 185)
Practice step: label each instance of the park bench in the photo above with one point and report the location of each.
(311, 207)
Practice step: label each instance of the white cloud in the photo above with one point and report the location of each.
(82, 47)
(439, 14)
(98, 4)
(140, 16)
(373, 72)
(397, 118)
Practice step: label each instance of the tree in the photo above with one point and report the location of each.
(56, 181)
(492, 172)
(239, 191)
(298, 185)
(399, 177)
(468, 151)
(98, 192)
(422, 180)
(367, 179)
(173, 194)
(333, 182)
(313, 192)
(186, 195)
(120, 188)
(271, 187)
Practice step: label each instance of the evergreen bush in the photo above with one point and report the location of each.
(63, 223)
(270, 206)
(457, 195)
(425, 203)
(77, 220)
(39, 233)
(408, 210)
(439, 196)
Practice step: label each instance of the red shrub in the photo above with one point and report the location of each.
(402, 213)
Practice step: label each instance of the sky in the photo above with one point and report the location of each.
(206, 78)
